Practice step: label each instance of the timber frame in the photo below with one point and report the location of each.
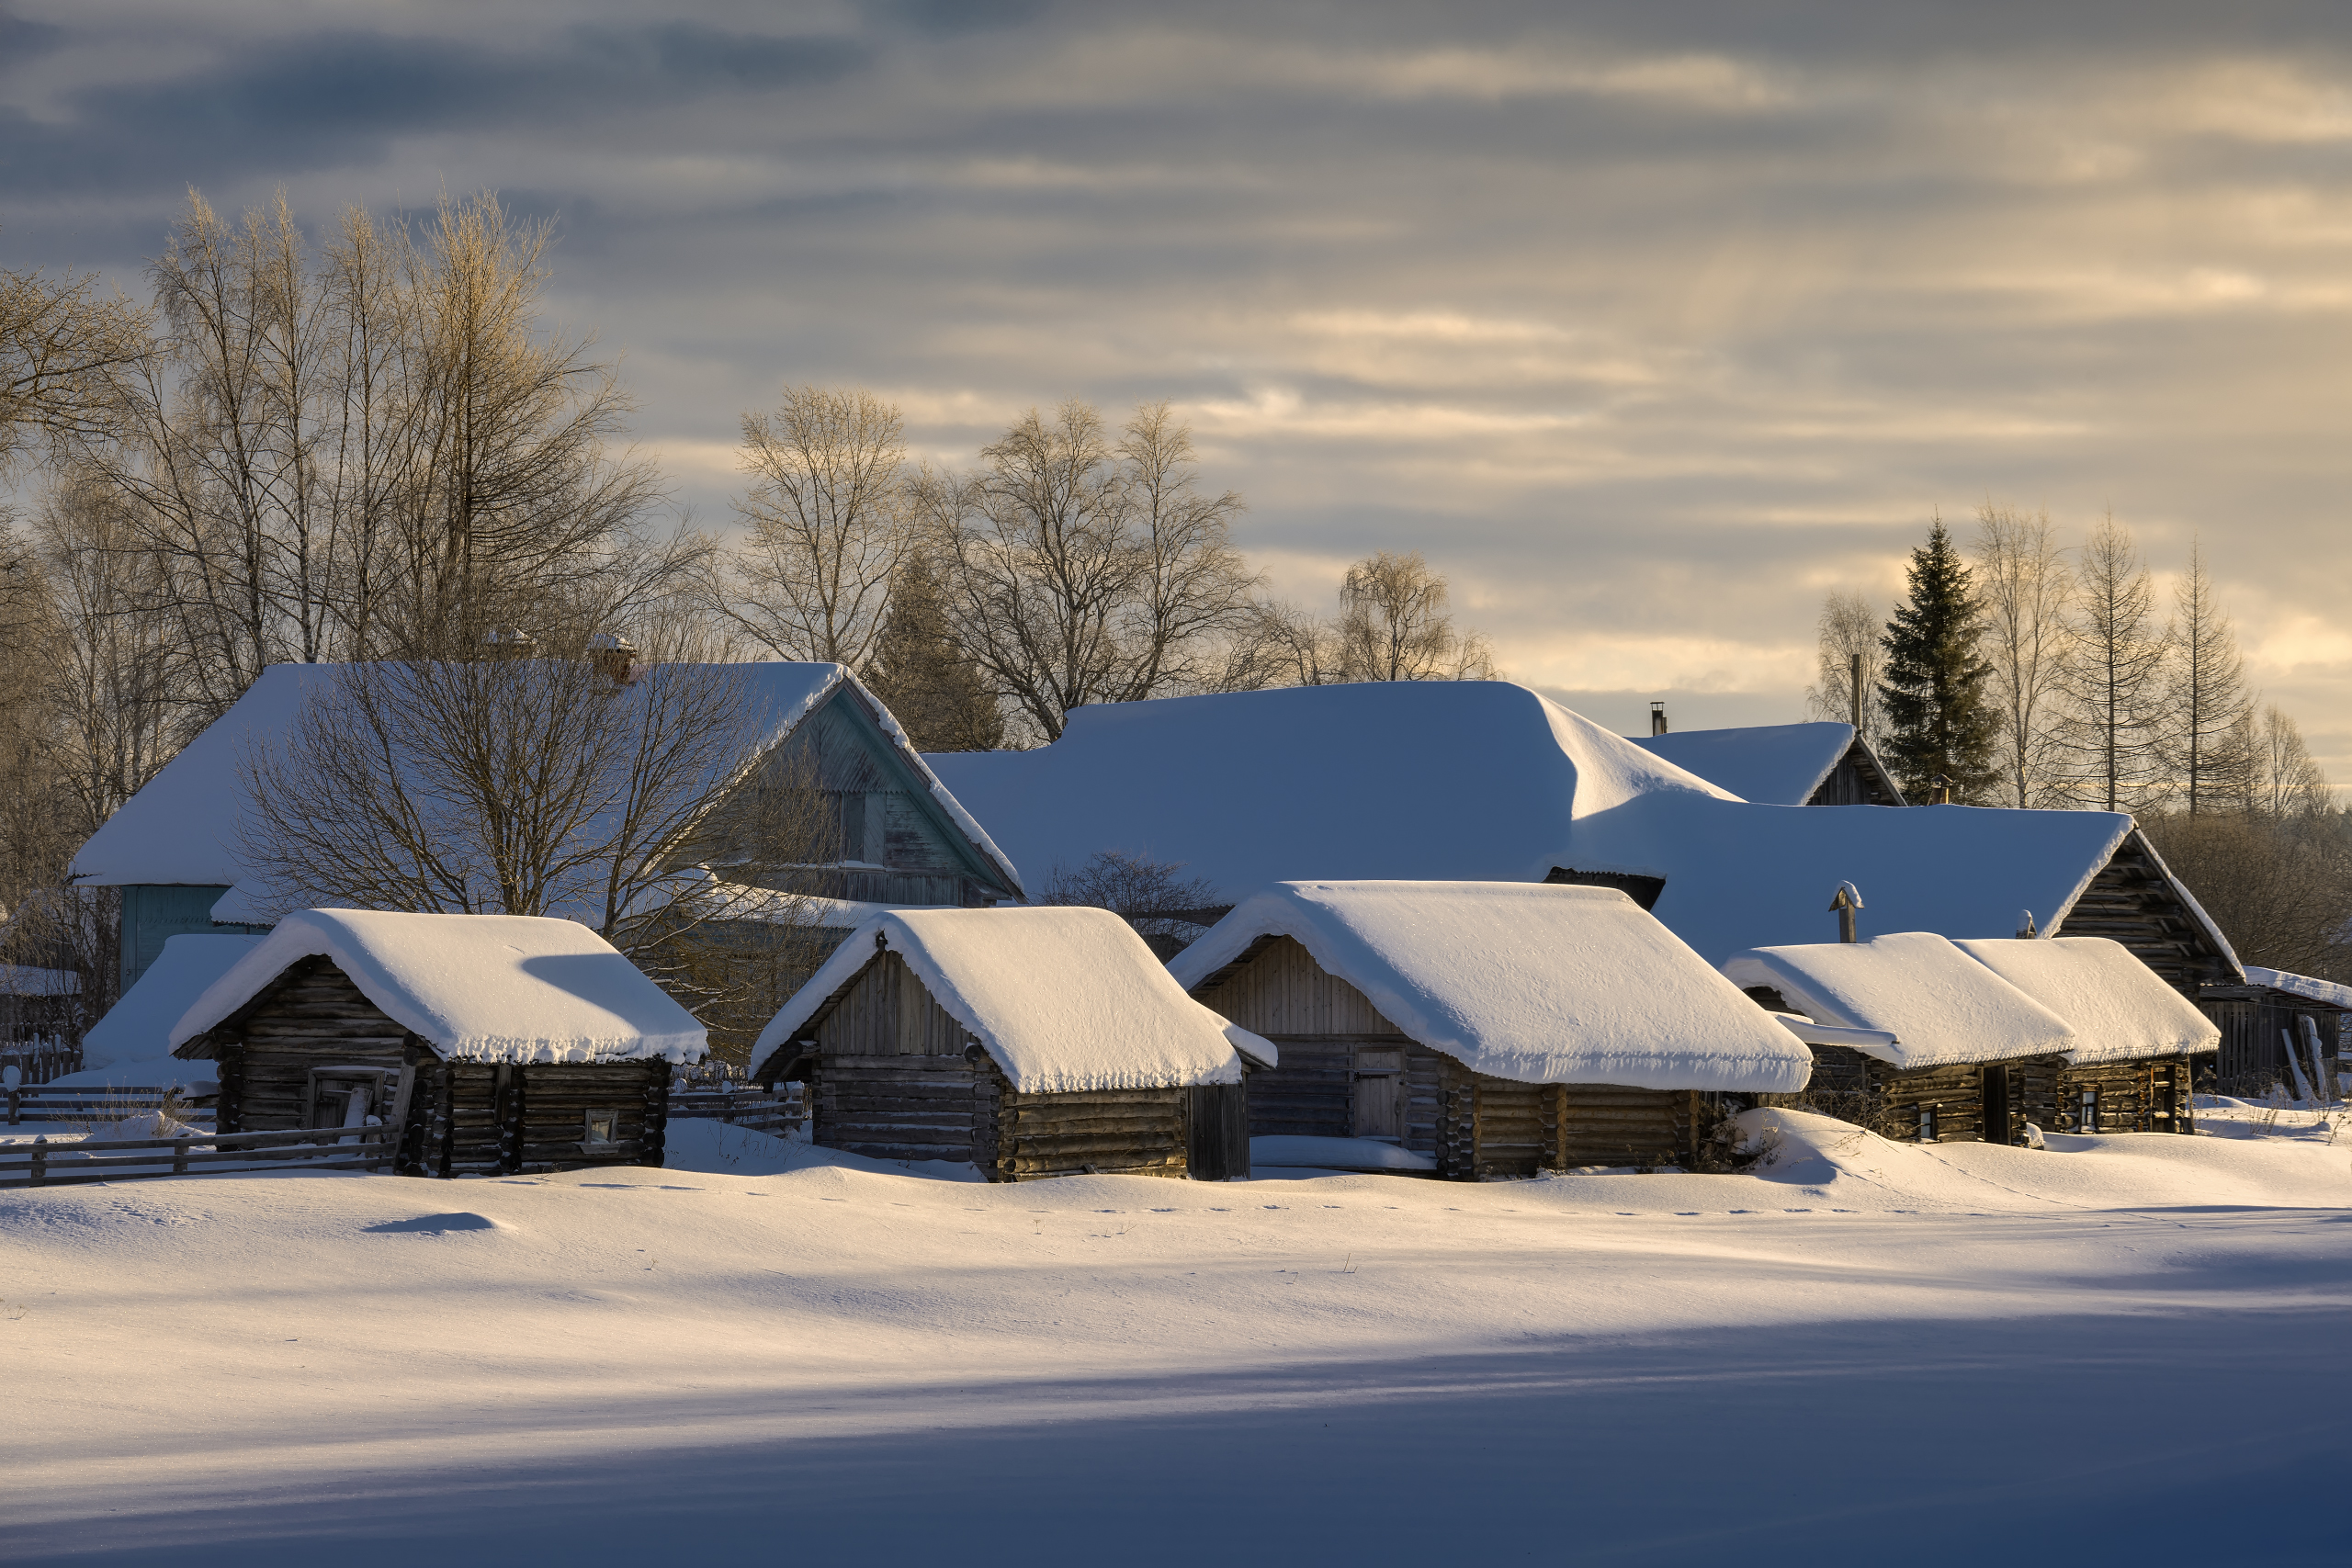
(1347, 1072)
(299, 1053)
(2136, 900)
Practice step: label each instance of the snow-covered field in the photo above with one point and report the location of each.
(2120, 1348)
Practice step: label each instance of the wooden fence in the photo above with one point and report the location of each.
(757, 1108)
(44, 1164)
(39, 1059)
(92, 1104)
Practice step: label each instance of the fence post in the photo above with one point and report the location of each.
(179, 1156)
(13, 1098)
(40, 1161)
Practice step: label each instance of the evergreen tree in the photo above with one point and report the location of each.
(1938, 721)
(924, 678)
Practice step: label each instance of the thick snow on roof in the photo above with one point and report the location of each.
(182, 826)
(1452, 781)
(1940, 1005)
(139, 1025)
(1771, 765)
(1065, 999)
(2286, 980)
(476, 987)
(2119, 1008)
(1528, 983)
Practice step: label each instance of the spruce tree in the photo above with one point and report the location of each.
(1939, 722)
(923, 678)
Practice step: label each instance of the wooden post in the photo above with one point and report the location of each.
(40, 1161)
(1848, 899)
(179, 1156)
(1854, 688)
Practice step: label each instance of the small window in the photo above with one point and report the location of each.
(602, 1125)
(2087, 1118)
(1927, 1124)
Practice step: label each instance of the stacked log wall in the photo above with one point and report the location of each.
(2131, 1096)
(1132, 1132)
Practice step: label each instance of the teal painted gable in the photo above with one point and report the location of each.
(153, 914)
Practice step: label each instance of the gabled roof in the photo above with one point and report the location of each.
(139, 1025)
(1942, 1005)
(182, 825)
(1771, 765)
(2119, 1009)
(1524, 982)
(1486, 780)
(1063, 999)
(475, 987)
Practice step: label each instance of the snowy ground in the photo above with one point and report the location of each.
(2119, 1347)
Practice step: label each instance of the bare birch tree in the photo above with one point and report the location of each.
(1079, 569)
(2025, 589)
(2111, 732)
(827, 524)
(1394, 624)
(2211, 755)
(1848, 629)
(66, 351)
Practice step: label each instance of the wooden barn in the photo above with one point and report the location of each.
(497, 1044)
(1032, 1043)
(1490, 1028)
(2128, 1068)
(2258, 1024)
(1921, 1040)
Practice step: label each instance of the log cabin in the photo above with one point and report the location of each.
(497, 1044)
(1818, 763)
(1488, 781)
(2128, 1068)
(1922, 1042)
(1030, 1042)
(1490, 1028)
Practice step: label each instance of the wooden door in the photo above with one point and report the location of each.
(1378, 1110)
(1217, 1133)
(1995, 1122)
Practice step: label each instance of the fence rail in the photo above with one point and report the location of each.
(39, 1059)
(103, 1104)
(757, 1108)
(44, 1164)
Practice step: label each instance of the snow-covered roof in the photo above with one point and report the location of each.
(1942, 1005)
(139, 1025)
(25, 980)
(2327, 992)
(1065, 999)
(1524, 982)
(1771, 765)
(182, 825)
(1487, 781)
(475, 987)
(2120, 1009)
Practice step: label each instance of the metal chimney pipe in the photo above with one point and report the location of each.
(1658, 718)
(1854, 688)
(1848, 899)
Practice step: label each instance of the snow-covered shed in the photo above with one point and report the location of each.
(1493, 1028)
(1488, 781)
(495, 1042)
(2273, 1029)
(1032, 1043)
(2128, 1070)
(1931, 1043)
(1822, 763)
(173, 847)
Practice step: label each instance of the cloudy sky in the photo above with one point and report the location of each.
(1648, 324)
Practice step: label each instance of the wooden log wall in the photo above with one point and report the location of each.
(1133, 1131)
(312, 1017)
(1957, 1095)
(2146, 1096)
(2133, 901)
